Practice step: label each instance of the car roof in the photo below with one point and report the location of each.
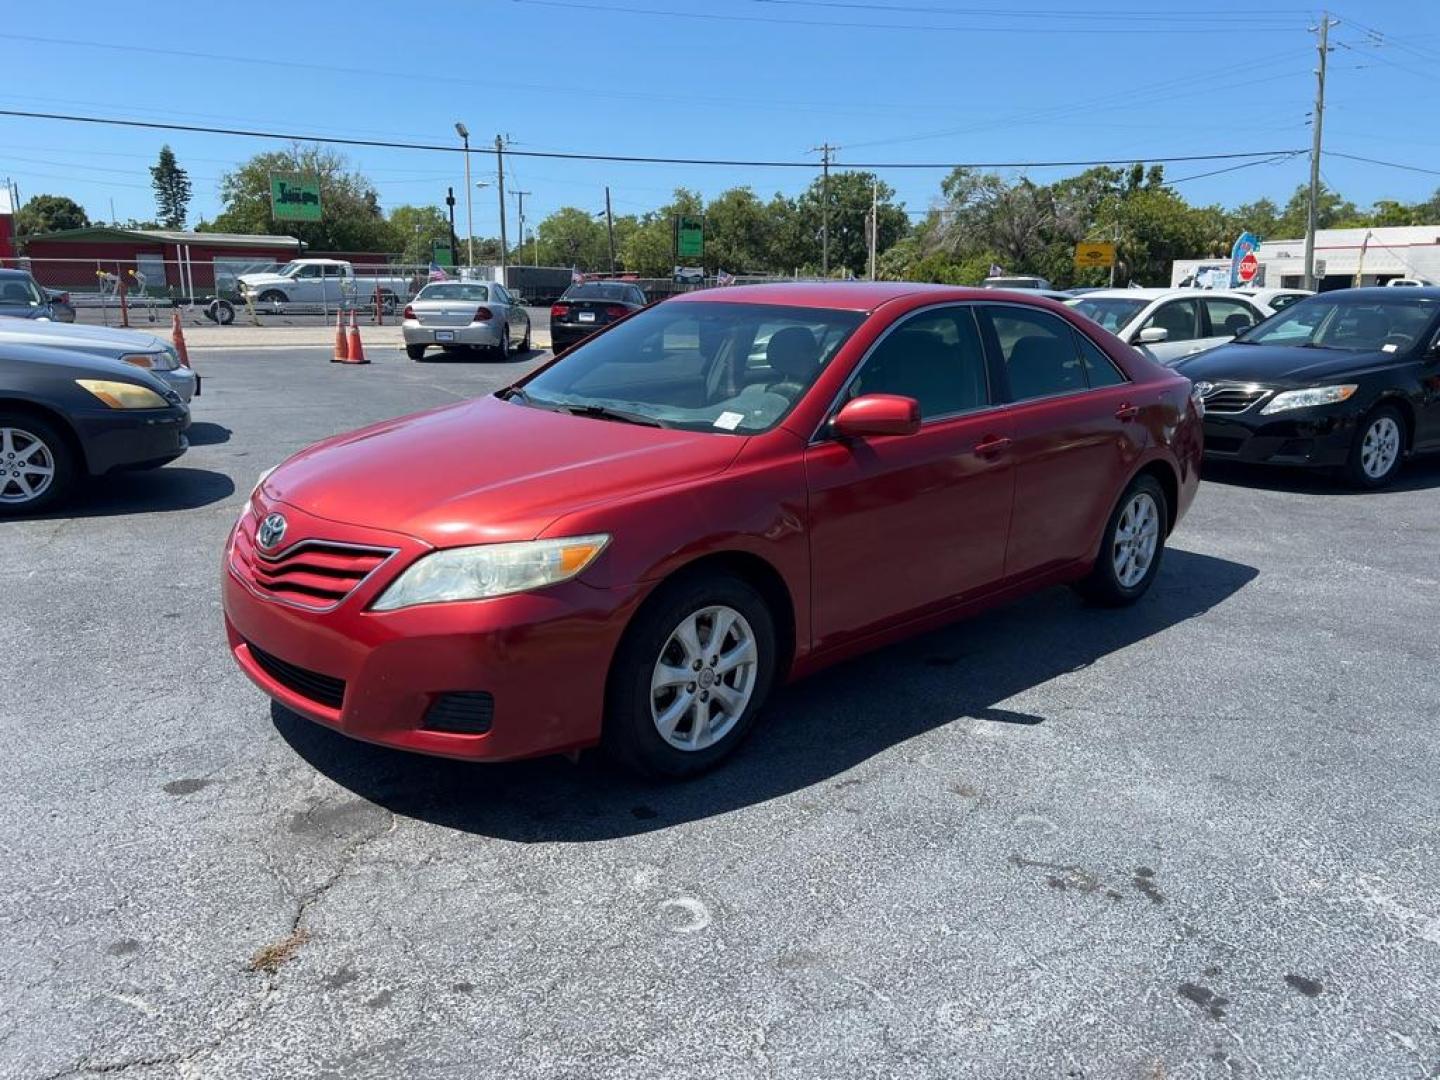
(1382, 292)
(1157, 294)
(6, 271)
(842, 295)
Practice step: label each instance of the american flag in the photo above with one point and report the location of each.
(437, 272)
(576, 278)
(996, 270)
(722, 278)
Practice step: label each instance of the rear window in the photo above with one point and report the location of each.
(598, 290)
(454, 290)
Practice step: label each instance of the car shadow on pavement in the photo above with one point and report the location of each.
(204, 433)
(1417, 474)
(150, 491)
(810, 731)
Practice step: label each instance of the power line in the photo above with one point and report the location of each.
(1235, 168)
(1387, 164)
(1238, 18)
(628, 159)
(608, 9)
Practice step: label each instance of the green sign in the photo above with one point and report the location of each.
(294, 197)
(689, 236)
(441, 254)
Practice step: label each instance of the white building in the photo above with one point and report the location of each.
(1374, 255)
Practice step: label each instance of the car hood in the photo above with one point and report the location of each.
(488, 471)
(262, 279)
(101, 340)
(1279, 364)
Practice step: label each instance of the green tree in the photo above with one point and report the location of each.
(172, 189)
(736, 232)
(352, 218)
(415, 229)
(572, 237)
(1331, 212)
(50, 213)
(649, 249)
(849, 213)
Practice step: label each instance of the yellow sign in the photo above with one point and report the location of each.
(1094, 255)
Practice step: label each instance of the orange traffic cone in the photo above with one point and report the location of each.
(356, 352)
(177, 336)
(342, 349)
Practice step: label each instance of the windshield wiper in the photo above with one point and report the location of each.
(604, 412)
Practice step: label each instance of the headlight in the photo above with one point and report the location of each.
(476, 573)
(123, 395)
(161, 361)
(1305, 399)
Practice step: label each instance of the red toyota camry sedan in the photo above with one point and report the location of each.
(632, 546)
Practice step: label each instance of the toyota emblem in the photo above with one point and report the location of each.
(271, 531)
(1204, 389)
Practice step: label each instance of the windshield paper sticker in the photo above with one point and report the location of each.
(729, 421)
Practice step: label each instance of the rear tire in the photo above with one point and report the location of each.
(502, 350)
(1132, 548)
(659, 721)
(525, 342)
(1378, 450)
(415, 352)
(35, 457)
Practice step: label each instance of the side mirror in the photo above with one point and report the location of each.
(877, 414)
(1152, 335)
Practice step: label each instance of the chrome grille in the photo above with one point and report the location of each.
(1229, 398)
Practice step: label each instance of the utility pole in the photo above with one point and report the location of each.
(874, 224)
(1115, 258)
(500, 170)
(825, 150)
(1318, 120)
(450, 202)
(610, 228)
(520, 213)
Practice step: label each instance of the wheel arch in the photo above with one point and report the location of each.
(1165, 475)
(1407, 414)
(52, 416)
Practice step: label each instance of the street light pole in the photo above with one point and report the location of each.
(464, 133)
(610, 228)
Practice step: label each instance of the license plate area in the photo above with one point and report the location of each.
(587, 316)
(444, 335)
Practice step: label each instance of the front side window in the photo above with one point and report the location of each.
(1039, 352)
(1177, 318)
(936, 358)
(704, 366)
(311, 271)
(1229, 317)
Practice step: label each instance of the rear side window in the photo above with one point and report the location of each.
(1229, 317)
(1100, 370)
(935, 358)
(1039, 353)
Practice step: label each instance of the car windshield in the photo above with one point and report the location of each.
(288, 270)
(19, 291)
(597, 292)
(1112, 312)
(700, 365)
(451, 290)
(1353, 323)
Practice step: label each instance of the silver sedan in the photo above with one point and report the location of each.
(460, 314)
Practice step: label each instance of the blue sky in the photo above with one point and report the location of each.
(885, 80)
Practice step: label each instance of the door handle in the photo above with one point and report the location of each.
(1127, 412)
(992, 445)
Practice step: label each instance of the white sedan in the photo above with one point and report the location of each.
(1171, 324)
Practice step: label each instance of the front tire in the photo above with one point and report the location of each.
(415, 352)
(1378, 449)
(272, 296)
(1131, 551)
(37, 467)
(690, 676)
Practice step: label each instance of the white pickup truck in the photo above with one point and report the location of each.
(321, 283)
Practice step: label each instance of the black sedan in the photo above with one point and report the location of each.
(65, 416)
(1348, 380)
(583, 309)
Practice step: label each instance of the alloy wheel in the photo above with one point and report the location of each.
(1380, 448)
(27, 466)
(704, 678)
(1137, 535)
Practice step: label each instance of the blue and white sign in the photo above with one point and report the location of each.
(1245, 244)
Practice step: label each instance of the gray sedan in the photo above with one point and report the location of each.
(134, 347)
(471, 314)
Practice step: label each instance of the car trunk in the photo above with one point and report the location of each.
(445, 312)
(590, 312)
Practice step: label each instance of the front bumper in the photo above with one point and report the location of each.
(485, 335)
(1317, 437)
(182, 380)
(131, 438)
(543, 657)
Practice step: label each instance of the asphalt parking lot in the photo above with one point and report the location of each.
(1195, 838)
